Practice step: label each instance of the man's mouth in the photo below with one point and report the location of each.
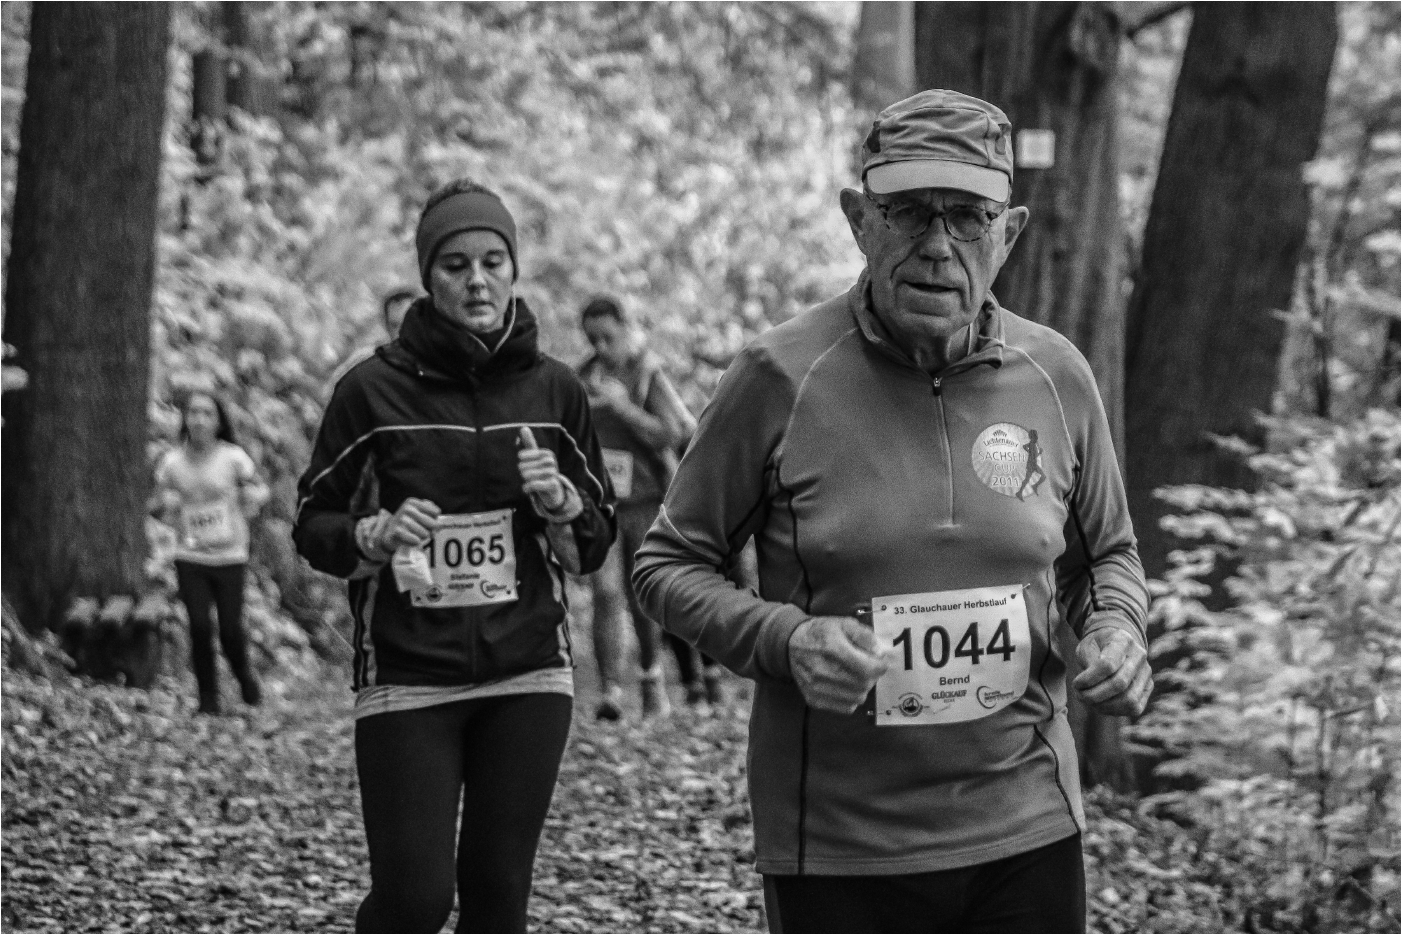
(927, 288)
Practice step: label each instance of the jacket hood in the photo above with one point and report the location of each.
(431, 346)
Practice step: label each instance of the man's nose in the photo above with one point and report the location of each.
(936, 243)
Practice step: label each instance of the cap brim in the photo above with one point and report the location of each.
(939, 173)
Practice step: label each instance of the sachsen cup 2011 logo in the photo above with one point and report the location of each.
(1008, 459)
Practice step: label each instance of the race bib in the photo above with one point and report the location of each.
(962, 655)
(209, 525)
(472, 558)
(619, 464)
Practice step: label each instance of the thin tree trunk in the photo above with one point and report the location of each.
(1054, 66)
(250, 89)
(883, 71)
(77, 298)
(1225, 232)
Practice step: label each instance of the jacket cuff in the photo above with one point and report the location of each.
(1110, 620)
(773, 643)
(567, 511)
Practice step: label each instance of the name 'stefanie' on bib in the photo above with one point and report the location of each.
(472, 558)
(962, 655)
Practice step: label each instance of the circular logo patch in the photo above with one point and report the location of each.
(1007, 458)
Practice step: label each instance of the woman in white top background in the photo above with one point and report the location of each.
(209, 490)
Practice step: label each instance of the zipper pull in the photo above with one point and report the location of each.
(935, 383)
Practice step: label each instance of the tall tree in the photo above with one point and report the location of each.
(1050, 66)
(1229, 217)
(883, 69)
(77, 302)
(1054, 66)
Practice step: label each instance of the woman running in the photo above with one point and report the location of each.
(208, 487)
(491, 488)
(641, 422)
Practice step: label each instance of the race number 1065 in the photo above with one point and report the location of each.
(475, 551)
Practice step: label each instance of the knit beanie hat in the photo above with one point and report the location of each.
(464, 211)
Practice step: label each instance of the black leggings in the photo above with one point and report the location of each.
(501, 755)
(1043, 890)
(219, 586)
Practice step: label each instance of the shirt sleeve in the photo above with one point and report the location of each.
(595, 526)
(244, 469)
(324, 530)
(1100, 580)
(664, 402)
(720, 497)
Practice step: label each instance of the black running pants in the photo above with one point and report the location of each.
(1042, 890)
(500, 756)
(220, 587)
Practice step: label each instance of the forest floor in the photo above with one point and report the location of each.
(125, 812)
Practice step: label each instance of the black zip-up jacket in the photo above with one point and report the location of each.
(436, 414)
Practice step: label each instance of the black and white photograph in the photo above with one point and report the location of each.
(701, 466)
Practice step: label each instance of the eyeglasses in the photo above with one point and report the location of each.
(912, 218)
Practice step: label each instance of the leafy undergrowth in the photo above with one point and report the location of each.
(123, 812)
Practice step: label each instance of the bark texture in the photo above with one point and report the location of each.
(1225, 232)
(1054, 66)
(1051, 66)
(77, 302)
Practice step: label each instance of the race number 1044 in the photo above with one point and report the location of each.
(962, 654)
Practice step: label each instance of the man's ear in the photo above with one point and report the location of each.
(1017, 220)
(854, 206)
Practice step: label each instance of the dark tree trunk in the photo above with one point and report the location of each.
(1054, 66)
(1050, 66)
(1225, 232)
(209, 105)
(251, 89)
(77, 301)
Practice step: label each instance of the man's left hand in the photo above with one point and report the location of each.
(1116, 677)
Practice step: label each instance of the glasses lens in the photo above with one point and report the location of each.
(908, 218)
(966, 223)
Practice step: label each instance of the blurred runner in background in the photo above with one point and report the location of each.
(393, 309)
(490, 489)
(642, 423)
(208, 489)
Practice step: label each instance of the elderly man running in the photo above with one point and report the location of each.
(911, 764)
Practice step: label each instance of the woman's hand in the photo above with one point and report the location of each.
(411, 525)
(540, 475)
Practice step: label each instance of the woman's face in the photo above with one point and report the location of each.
(201, 419)
(610, 339)
(471, 279)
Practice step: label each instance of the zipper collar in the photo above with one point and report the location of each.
(985, 341)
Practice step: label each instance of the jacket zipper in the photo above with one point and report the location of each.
(937, 390)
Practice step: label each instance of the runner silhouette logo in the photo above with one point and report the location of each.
(1008, 459)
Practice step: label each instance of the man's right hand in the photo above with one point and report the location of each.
(835, 661)
(411, 525)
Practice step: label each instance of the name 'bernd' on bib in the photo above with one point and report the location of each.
(963, 655)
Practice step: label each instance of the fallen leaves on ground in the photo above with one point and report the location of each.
(125, 812)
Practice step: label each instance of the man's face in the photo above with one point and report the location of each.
(928, 287)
